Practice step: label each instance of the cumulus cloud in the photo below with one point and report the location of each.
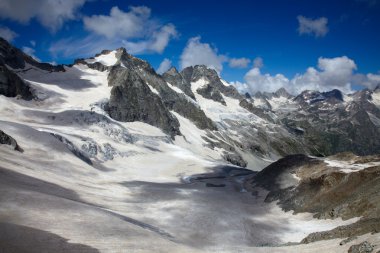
(334, 73)
(256, 81)
(317, 27)
(7, 33)
(239, 62)
(197, 53)
(30, 51)
(52, 13)
(331, 73)
(156, 43)
(258, 62)
(164, 66)
(119, 23)
(135, 29)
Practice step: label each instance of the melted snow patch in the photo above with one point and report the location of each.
(105, 59)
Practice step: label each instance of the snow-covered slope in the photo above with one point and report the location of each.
(83, 175)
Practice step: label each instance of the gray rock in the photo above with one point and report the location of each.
(11, 85)
(143, 74)
(210, 92)
(8, 140)
(235, 159)
(364, 247)
(175, 78)
(17, 59)
(132, 100)
(347, 240)
(193, 74)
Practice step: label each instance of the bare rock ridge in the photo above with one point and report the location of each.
(137, 78)
(17, 59)
(132, 100)
(304, 184)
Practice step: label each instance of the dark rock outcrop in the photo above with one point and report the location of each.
(8, 140)
(364, 247)
(235, 159)
(139, 74)
(175, 78)
(11, 85)
(132, 100)
(325, 191)
(193, 74)
(212, 93)
(17, 59)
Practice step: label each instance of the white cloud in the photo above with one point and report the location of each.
(83, 47)
(135, 30)
(50, 13)
(239, 62)
(156, 43)
(258, 62)
(264, 82)
(33, 43)
(370, 80)
(130, 24)
(30, 51)
(197, 53)
(7, 33)
(317, 27)
(164, 66)
(335, 73)
(332, 73)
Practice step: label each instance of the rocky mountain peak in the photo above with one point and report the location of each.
(312, 97)
(17, 59)
(282, 92)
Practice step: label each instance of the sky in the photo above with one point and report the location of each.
(255, 45)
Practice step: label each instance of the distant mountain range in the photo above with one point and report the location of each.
(244, 127)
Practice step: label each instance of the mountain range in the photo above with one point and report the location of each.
(181, 160)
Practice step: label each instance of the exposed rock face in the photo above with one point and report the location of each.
(132, 100)
(17, 59)
(8, 140)
(175, 78)
(142, 73)
(310, 97)
(193, 74)
(235, 159)
(326, 191)
(96, 65)
(255, 110)
(11, 85)
(212, 93)
(364, 247)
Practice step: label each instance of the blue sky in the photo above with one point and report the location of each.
(288, 36)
